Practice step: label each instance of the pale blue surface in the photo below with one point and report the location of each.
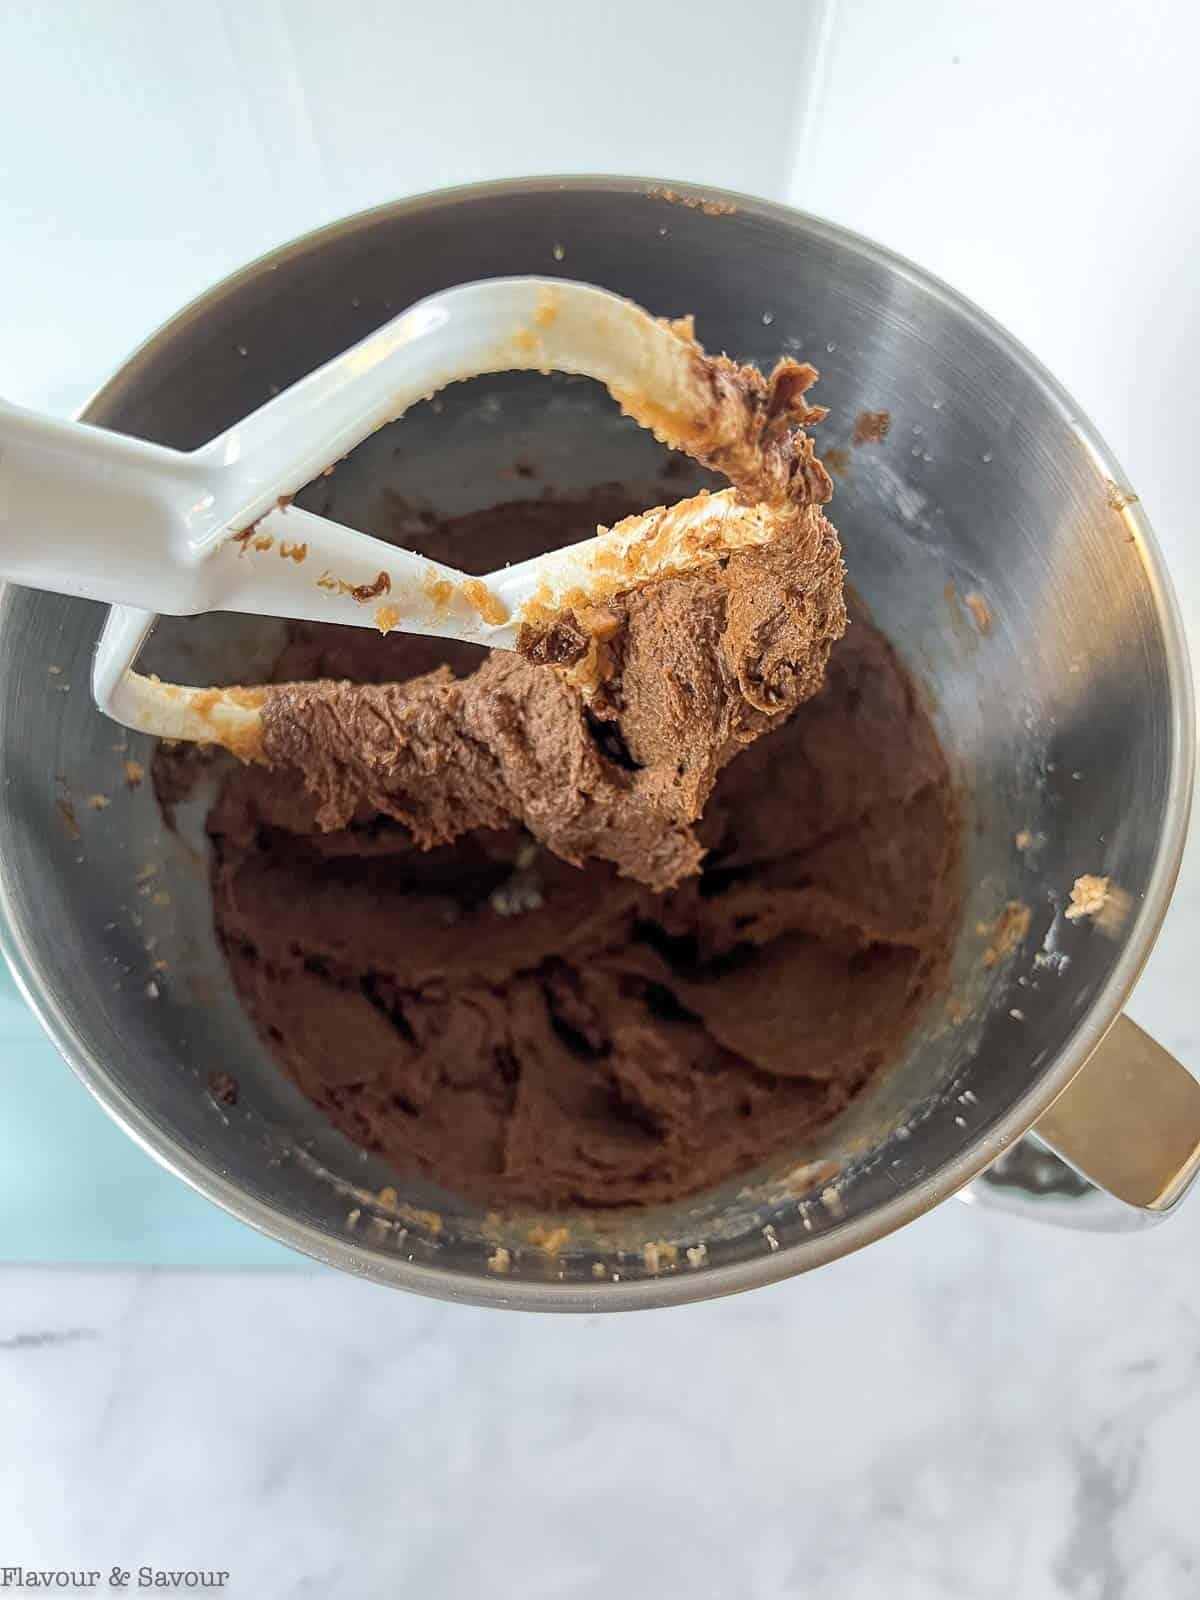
(75, 1188)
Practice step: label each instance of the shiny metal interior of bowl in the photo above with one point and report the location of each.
(1058, 721)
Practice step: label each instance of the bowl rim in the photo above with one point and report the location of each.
(364, 1260)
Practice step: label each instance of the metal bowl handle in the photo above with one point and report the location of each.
(1117, 1150)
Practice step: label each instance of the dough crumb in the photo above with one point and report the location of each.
(1023, 840)
(548, 1240)
(693, 202)
(98, 802)
(980, 610)
(659, 1254)
(1089, 896)
(697, 1255)
(500, 1259)
(1117, 496)
(223, 1087)
(809, 1176)
(871, 427)
(1008, 932)
(135, 773)
(67, 812)
(481, 599)
(431, 1221)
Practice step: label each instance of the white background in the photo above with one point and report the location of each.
(973, 1408)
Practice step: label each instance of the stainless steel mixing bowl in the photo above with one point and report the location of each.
(1069, 720)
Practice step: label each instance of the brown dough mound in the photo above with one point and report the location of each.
(528, 1032)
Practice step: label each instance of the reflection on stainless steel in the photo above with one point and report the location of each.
(1070, 722)
(1031, 1182)
(1033, 1169)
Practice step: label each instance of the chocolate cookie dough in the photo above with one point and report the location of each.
(530, 1032)
(695, 668)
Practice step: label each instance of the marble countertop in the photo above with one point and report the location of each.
(975, 1407)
